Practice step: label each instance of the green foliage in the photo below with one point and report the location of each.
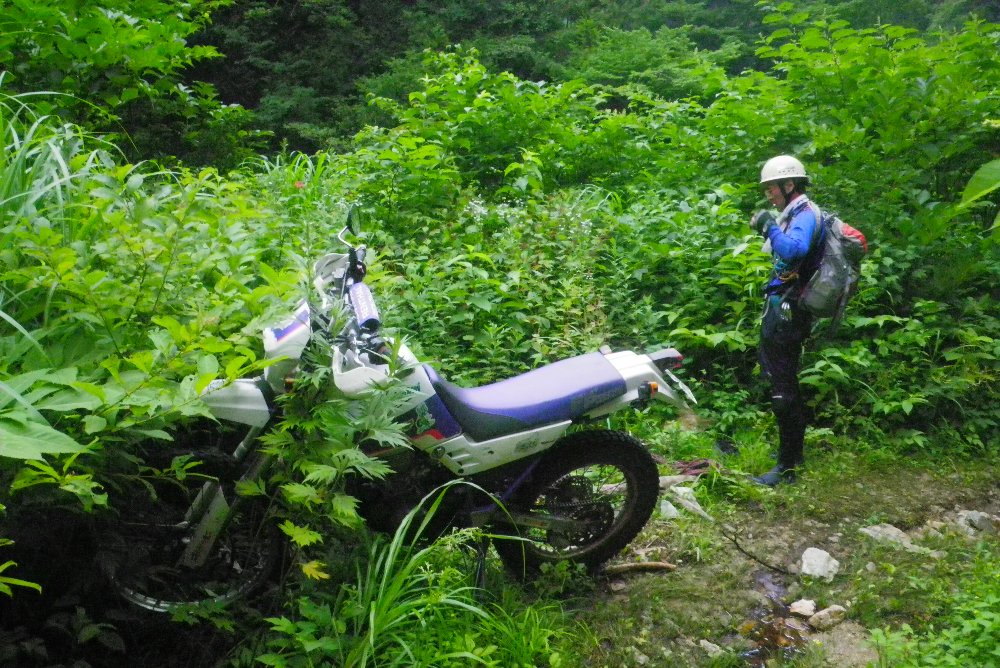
(375, 616)
(318, 436)
(114, 63)
(116, 311)
(467, 118)
(297, 63)
(107, 53)
(6, 581)
(665, 63)
(965, 634)
(516, 222)
(647, 252)
(409, 604)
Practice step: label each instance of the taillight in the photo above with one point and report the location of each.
(668, 358)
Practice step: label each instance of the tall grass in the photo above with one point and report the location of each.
(409, 604)
(380, 613)
(42, 160)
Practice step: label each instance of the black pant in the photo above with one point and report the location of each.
(784, 328)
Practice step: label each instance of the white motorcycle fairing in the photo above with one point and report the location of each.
(467, 430)
(246, 401)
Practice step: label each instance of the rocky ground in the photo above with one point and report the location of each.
(741, 593)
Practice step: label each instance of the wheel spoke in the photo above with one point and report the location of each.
(587, 499)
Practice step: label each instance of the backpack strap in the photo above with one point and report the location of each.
(803, 270)
(819, 228)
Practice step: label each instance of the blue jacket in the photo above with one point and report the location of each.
(790, 242)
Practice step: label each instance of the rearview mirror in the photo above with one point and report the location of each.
(354, 219)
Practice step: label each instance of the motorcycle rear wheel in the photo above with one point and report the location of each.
(600, 485)
(141, 551)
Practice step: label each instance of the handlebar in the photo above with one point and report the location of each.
(365, 310)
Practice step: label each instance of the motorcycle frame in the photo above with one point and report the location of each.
(250, 402)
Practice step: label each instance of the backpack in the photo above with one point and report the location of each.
(838, 269)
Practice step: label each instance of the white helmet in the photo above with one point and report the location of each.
(782, 167)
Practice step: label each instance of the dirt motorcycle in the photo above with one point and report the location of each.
(579, 495)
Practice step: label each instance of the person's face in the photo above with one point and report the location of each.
(772, 191)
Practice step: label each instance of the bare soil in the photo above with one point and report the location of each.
(726, 602)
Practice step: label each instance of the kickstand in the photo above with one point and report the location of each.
(482, 549)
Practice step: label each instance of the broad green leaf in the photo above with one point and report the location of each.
(31, 440)
(93, 424)
(344, 505)
(984, 181)
(69, 400)
(299, 493)
(481, 302)
(203, 381)
(8, 394)
(158, 434)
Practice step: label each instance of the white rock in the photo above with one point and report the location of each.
(803, 607)
(685, 496)
(711, 649)
(668, 481)
(887, 533)
(667, 510)
(828, 617)
(819, 564)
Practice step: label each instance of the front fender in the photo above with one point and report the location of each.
(247, 401)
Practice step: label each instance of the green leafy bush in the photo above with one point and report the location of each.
(965, 635)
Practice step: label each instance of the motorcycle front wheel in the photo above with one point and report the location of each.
(586, 500)
(143, 549)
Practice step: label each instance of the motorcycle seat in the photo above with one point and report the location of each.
(564, 390)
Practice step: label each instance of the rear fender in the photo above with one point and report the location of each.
(637, 370)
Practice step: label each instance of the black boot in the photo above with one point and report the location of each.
(791, 436)
(775, 476)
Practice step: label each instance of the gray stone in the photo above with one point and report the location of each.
(803, 607)
(818, 564)
(828, 617)
(978, 520)
(685, 497)
(887, 533)
(711, 648)
(668, 511)
(848, 646)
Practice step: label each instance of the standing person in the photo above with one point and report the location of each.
(784, 326)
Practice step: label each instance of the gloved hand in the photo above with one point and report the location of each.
(762, 221)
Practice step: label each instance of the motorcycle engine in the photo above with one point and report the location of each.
(384, 503)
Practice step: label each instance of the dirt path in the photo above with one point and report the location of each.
(726, 603)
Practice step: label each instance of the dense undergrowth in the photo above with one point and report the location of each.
(512, 223)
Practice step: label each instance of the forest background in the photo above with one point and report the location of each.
(541, 179)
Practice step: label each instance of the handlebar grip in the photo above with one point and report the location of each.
(365, 309)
